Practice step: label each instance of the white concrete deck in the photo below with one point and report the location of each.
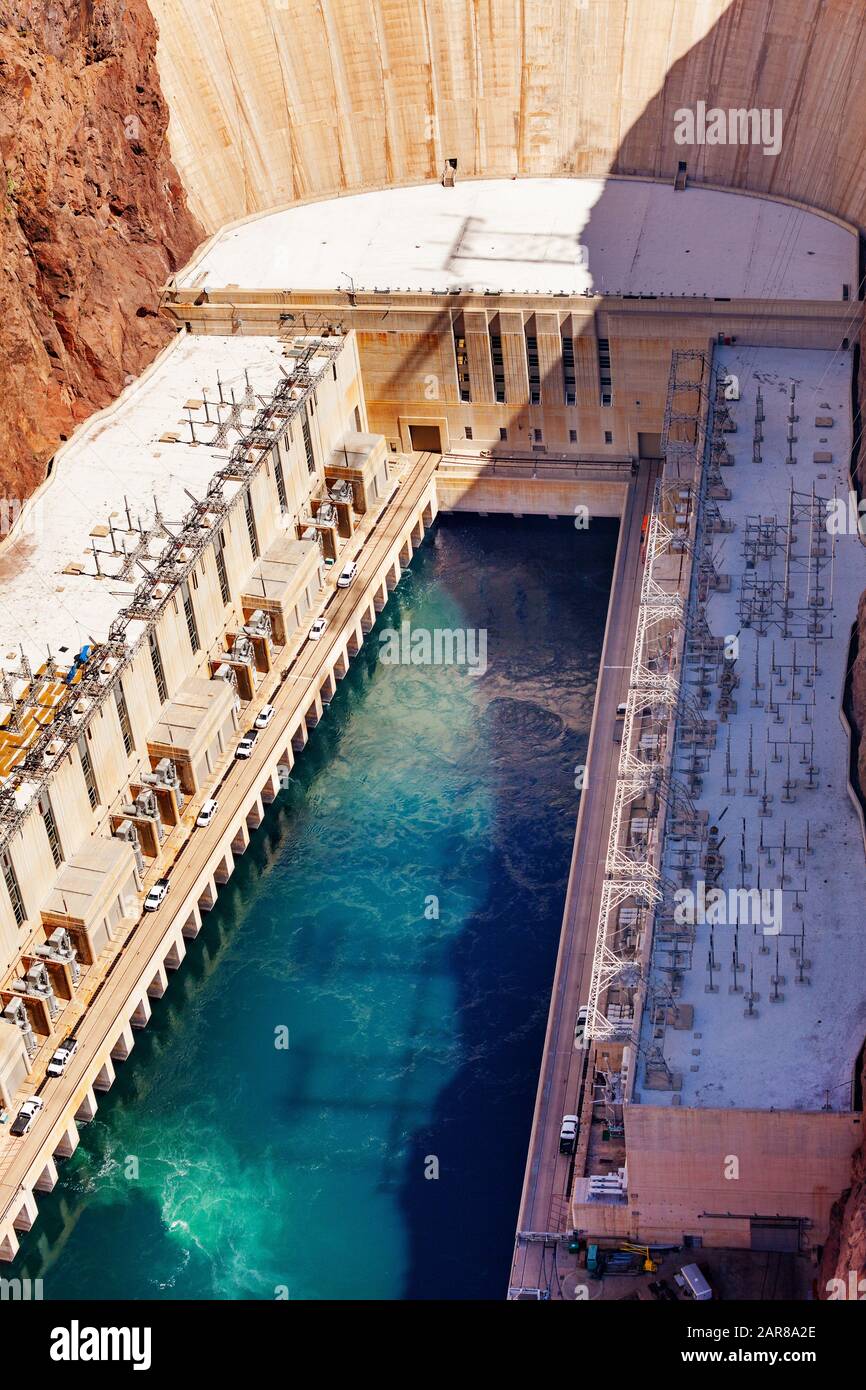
(114, 455)
(799, 1051)
(538, 236)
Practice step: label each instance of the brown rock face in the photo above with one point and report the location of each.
(845, 1250)
(858, 693)
(93, 218)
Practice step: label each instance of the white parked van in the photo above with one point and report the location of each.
(695, 1284)
(207, 812)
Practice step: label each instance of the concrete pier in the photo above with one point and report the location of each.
(207, 896)
(47, 1180)
(87, 1107)
(175, 955)
(241, 838)
(124, 1045)
(105, 1077)
(192, 925)
(27, 1212)
(159, 984)
(141, 1013)
(544, 1214)
(67, 1142)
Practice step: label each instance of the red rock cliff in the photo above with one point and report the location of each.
(94, 218)
(845, 1249)
(858, 694)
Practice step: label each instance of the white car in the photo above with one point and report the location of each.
(568, 1134)
(580, 1038)
(62, 1057)
(26, 1115)
(347, 575)
(207, 812)
(317, 629)
(156, 895)
(264, 717)
(246, 745)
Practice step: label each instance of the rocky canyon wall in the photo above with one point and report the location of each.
(94, 218)
(845, 1249)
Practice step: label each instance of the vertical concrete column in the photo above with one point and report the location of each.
(299, 741)
(104, 1079)
(207, 897)
(514, 359)
(241, 839)
(192, 925)
(256, 813)
(176, 953)
(87, 1107)
(47, 1180)
(225, 868)
(271, 789)
(381, 596)
(68, 1142)
(8, 1245)
(159, 984)
(27, 1212)
(586, 373)
(550, 359)
(141, 1014)
(443, 362)
(124, 1045)
(368, 619)
(478, 353)
(314, 713)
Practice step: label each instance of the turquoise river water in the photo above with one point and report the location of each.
(398, 914)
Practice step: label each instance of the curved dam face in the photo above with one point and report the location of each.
(276, 102)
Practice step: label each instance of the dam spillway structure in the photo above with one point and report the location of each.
(530, 262)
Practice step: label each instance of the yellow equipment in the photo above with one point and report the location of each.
(649, 1264)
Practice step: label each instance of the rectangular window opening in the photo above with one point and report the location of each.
(123, 717)
(534, 371)
(251, 524)
(498, 367)
(462, 359)
(87, 769)
(604, 371)
(14, 890)
(568, 376)
(189, 613)
(50, 824)
(156, 662)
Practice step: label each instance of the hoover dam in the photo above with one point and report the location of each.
(432, 453)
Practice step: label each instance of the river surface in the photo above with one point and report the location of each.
(396, 921)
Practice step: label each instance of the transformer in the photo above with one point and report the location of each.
(16, 1013)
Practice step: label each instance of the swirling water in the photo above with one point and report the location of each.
(398, 913)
